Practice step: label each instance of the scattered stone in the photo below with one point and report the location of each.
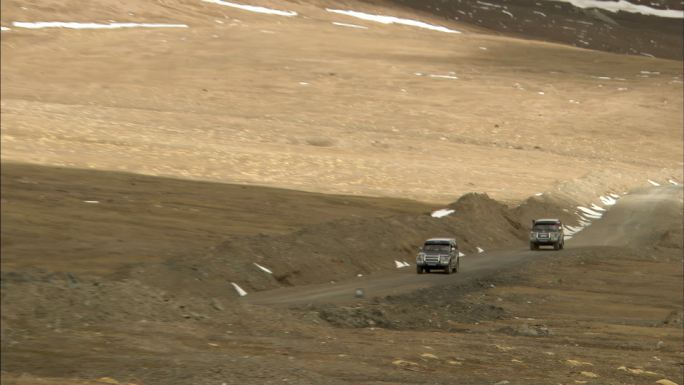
(637, 371)
(408, 365)
(504, 382)
(504, 348)
(665, 381)
(359, 293)
(429, 355)
(216, 304)
(527, 330)
(589, 374)
(516, 361)
(73, 282)
(578, 363)
(451, 362)
(108, 380)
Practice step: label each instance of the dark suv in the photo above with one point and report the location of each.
(547, 232)
(438, 253)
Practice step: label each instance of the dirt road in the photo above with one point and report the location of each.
(638, 219)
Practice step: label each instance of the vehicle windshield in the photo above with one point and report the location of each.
(436, 247)
(546, 227)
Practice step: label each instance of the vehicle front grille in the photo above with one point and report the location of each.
(432, 258)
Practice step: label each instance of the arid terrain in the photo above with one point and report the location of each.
(151, 174)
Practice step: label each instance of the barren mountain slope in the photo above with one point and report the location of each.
(299, 102)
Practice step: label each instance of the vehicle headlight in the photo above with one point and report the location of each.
(445, 259)
(420, 258)
(532, 234)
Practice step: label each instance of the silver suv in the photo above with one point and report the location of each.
(438, 253)
(547, 232)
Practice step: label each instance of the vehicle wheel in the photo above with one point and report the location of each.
(562, 246)
(534, 246)
(447, 270)
(419, 270)
(556, 246)
(458, 266)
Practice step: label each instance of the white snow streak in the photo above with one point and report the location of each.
(5, 29)
(597, 207)
(73, 25)
(625, 6)
(653, 183)
(239, 290)
(350, 25)
(391, 20)
(589, 212)
(263, 268)
(479, 249)
(444, 76)
(673, 182)
(460, 254)
(442, 213)
(253, 8)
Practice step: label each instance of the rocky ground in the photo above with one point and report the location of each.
(146, 171)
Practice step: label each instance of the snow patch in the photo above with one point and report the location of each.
(539, 194)
(92, 202)
(597, 207)
(653, 183)
(263, 268)
(442, 213)
(615, 195)
(589, 211)
(608, 201)
(444, 76)
(460, 254)
(239, 290)
(479, 249)
(253, 8)
(507, 13)
(350, 25)
(73, 25)
(625, 6)
(488, 4)
(673, 182)
(391, 20)
(5, 29)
